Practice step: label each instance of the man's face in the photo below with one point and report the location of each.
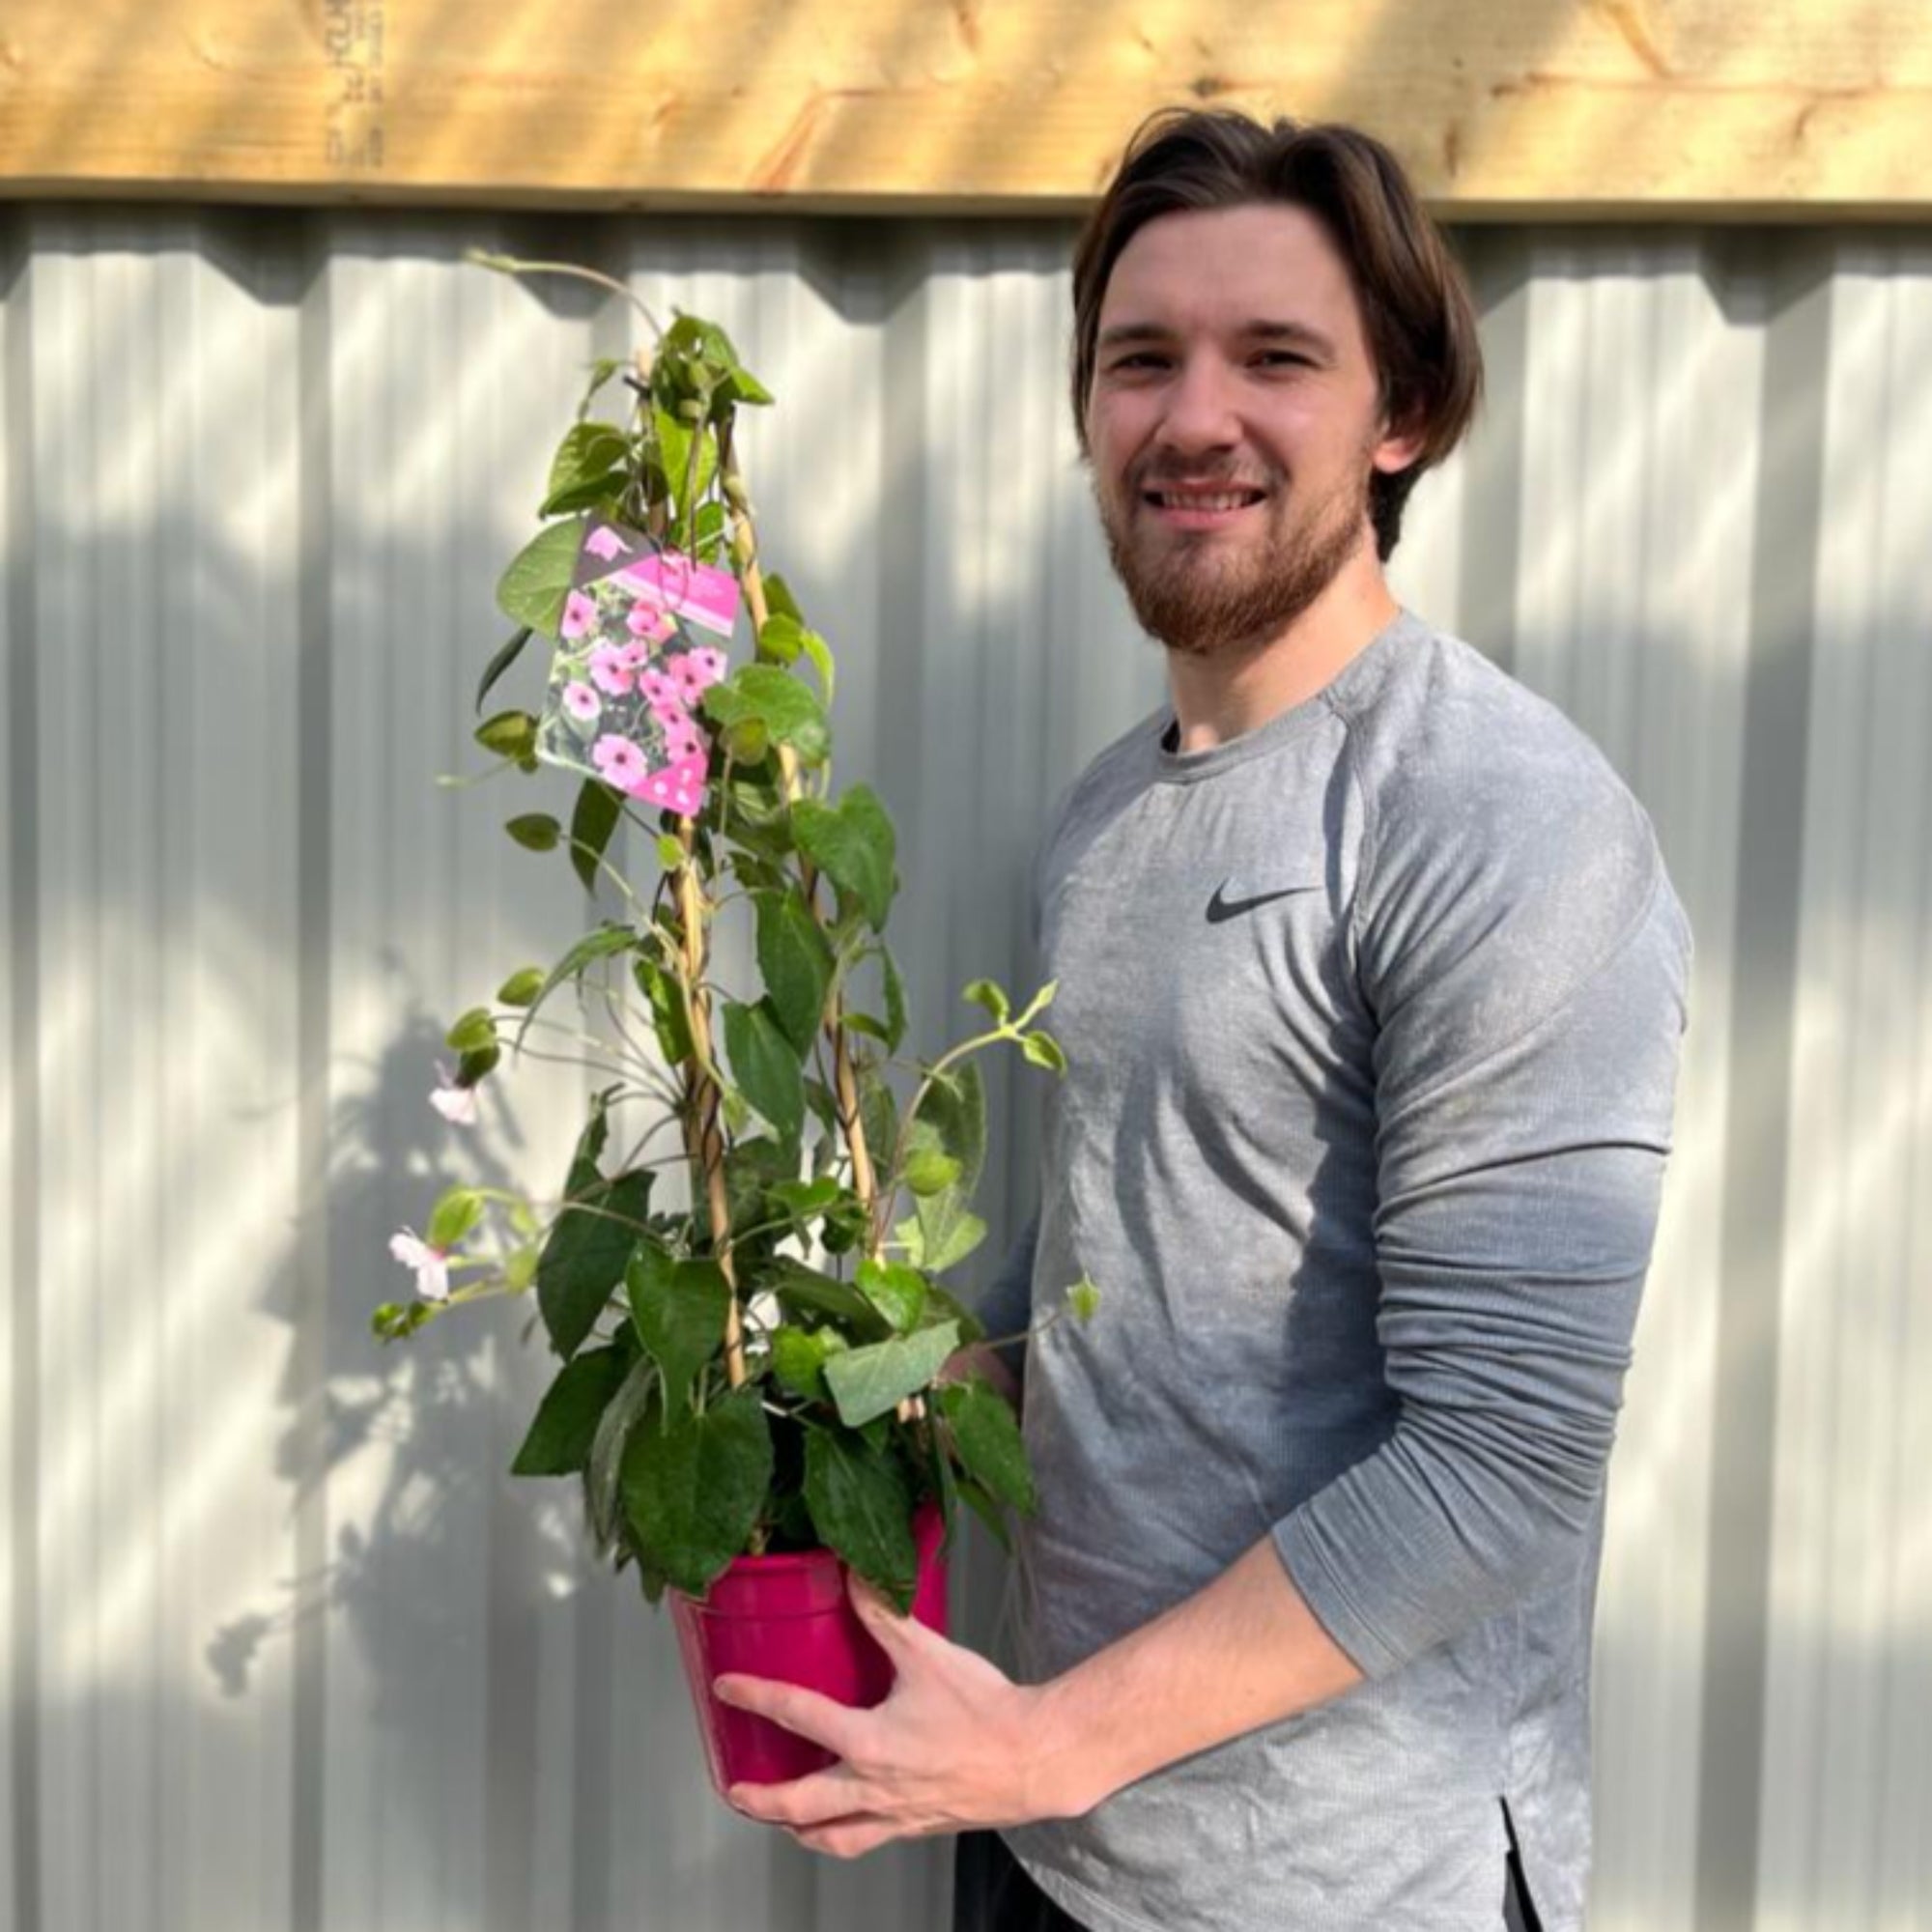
(1233, 423)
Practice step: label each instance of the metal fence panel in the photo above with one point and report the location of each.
(286, 1649)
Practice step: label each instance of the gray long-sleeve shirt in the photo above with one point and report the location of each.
(1373, 1018)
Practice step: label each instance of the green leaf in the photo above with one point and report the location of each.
(871, 1380)
(805, 1199)
(878, 1113)
(988, 1436)
(961, 1236)
(1043, 1050)
(895, 1291)
(476, 1063)
(779, 601)
(1084, 1299)
(819, 652)
(988, 1511)
(532, 589)
(798, 1358)
(852, 844)
(502, 662)
(780, 639)
(861, 1506)
(674, 451)
(943, 1307)
(750, 1169)
(510, 734)
(952, 1122)
(795, 962)
(928, 1171)
(693, 1492)
(895, 1001)
(762, 695)
(668, 1019)
(453, 1216)
(804, 1291)
(765, 1066)
(671, 851)
(535, 831)
(585, 1255)
(607, 939)
(591, 824)
(985, 993)
(745, 387)
(627, 1409)
(520, 988)
(560, 1440)
(679, 1308)
(602, 369)
(587, 454)
(472, 1030)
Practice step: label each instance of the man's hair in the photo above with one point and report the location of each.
(1416, 311)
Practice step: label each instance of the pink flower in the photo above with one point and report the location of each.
(432, 1264)
(605, 542)
(647, 621)
(690, 677)
(581, 701)
(656, 683)
(682, 740)
(579, 614)
(634, 657)
(609, 672)
(709, 663)
(619, 761)
(456, 1104)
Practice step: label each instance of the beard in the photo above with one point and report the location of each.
(1197, 595)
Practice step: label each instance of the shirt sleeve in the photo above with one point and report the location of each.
(1524, 962)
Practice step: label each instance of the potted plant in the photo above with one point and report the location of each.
(758, 1382)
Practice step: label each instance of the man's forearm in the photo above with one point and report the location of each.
(1242, 1651)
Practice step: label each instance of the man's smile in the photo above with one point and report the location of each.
(1197, 507)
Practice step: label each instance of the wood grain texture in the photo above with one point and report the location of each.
(1502, 108)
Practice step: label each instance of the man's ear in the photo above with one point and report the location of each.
(1399, 447)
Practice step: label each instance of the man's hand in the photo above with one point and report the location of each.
(956, 1745)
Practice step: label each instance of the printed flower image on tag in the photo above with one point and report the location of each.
(628, 673)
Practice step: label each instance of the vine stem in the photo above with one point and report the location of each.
(845, 1079)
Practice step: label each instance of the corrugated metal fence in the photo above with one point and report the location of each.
(285, 1649)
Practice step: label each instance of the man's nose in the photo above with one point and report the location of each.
(1201, 407)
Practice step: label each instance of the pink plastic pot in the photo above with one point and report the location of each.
(789, 1617)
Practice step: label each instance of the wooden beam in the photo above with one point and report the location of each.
(1502, 108)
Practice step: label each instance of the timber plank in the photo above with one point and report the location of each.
(1502, 108)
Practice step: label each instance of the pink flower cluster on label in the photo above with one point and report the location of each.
(628, 679)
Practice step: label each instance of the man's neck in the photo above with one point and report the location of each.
(1216, 698)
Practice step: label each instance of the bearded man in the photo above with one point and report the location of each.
(1370, 986)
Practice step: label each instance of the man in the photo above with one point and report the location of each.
(1371, 983)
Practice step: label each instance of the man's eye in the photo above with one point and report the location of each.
(1283, 357)
(1144, 358)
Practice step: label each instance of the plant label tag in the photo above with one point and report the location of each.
(628, 672)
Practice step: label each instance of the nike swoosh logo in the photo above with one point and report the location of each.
(1221, 907)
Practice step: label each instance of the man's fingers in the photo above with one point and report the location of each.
(816, 1800)
(804, 1712)
(848, 1837)
(898, 1635)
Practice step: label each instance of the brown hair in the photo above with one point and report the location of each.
(1416, 311)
